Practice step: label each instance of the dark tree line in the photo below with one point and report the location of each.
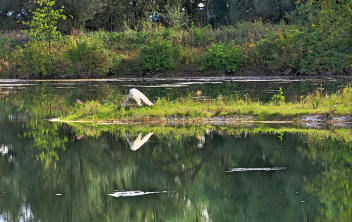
(117, 15)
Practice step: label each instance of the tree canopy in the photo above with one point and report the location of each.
(134, 14)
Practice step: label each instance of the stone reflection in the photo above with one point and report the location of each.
(139, 141)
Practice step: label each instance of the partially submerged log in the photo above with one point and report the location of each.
(138, 96)
(133, 193)
(256, 169)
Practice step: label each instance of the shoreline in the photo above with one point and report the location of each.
(307, 120)
(174, 74)
(176, 77)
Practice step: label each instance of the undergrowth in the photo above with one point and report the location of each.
(277, 49)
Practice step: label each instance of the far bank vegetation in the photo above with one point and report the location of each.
(307, 38)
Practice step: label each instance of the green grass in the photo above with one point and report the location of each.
(337, 104)
(180, 131)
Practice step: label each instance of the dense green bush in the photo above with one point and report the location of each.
(225, 57)
(7, 49)
(281, 51)
(197, 36)
(158, 56)
(4, 48)
(245, 32)
(128, 40)
(38, 59)
(280, 48)
(298, 51)
(323, 54)
(88, 55)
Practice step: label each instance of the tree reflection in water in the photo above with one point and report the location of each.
(315, 185)
(333, 184)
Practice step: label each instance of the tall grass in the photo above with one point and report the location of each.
(336, 104)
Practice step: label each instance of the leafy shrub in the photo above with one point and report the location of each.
(278, 98)
(188, 55)
(87, 55)
(160, 55)
(38, 59)
(116, 61)
(224, 57)
(136, 38)
(6, 48)
(131, 39)
(12, 62)
(323, 54)
(245, 32)
(298, 51)
(281, 51)
(199, 36)
(166, 34)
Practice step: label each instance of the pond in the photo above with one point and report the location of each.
(87, 172)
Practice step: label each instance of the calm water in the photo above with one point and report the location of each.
(83, 172)
(261, 88)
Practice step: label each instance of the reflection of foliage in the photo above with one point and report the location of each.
(333, 188)
(99, 161)
(314, 136)
(45, 101)
(47, 140)
(333, 185)
(93, 166)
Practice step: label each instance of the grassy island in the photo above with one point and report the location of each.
(195, 110)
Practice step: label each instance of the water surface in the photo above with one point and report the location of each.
(84, 172)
